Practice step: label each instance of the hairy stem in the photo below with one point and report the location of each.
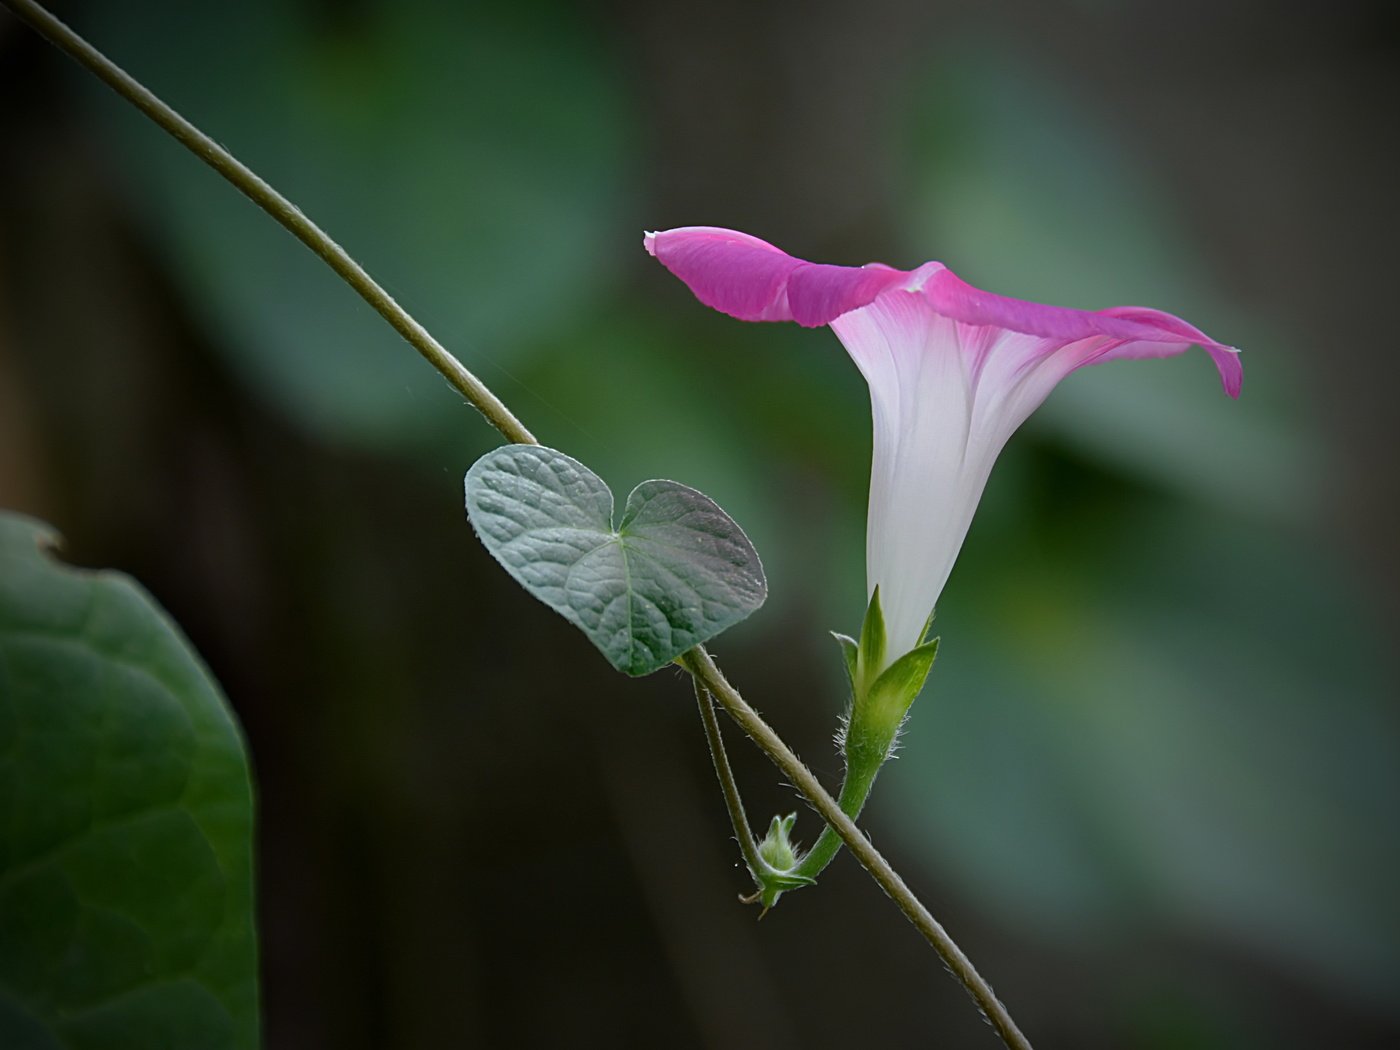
(697, 661)
(855, 789)
(737, 817)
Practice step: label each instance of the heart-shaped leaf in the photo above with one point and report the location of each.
(674, 572)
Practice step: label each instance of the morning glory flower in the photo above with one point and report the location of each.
(952, 370)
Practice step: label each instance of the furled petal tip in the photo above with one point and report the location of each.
(750, 279)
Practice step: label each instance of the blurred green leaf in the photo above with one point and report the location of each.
(471, 156)
(675, 572)
(126, 888)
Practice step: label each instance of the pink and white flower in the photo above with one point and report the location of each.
(952, 370)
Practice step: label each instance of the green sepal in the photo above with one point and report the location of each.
(871, 655)
(928, 625)
(890, 698)
(850, 651)
(787, 880)
(878, 707)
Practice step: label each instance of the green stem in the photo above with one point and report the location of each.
(737, 817)
(699, 663)
(855, 789)
(281, 209)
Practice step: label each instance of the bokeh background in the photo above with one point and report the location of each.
(1152, 787)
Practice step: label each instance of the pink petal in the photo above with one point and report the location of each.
(1226, 358)
(728, 271)
(1138, 332)
(752, 280)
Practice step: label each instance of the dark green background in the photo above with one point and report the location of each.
(1151, 787)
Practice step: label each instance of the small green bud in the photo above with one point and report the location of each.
(779, 858)
(776, 848)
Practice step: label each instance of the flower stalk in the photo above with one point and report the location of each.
(882, 691)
